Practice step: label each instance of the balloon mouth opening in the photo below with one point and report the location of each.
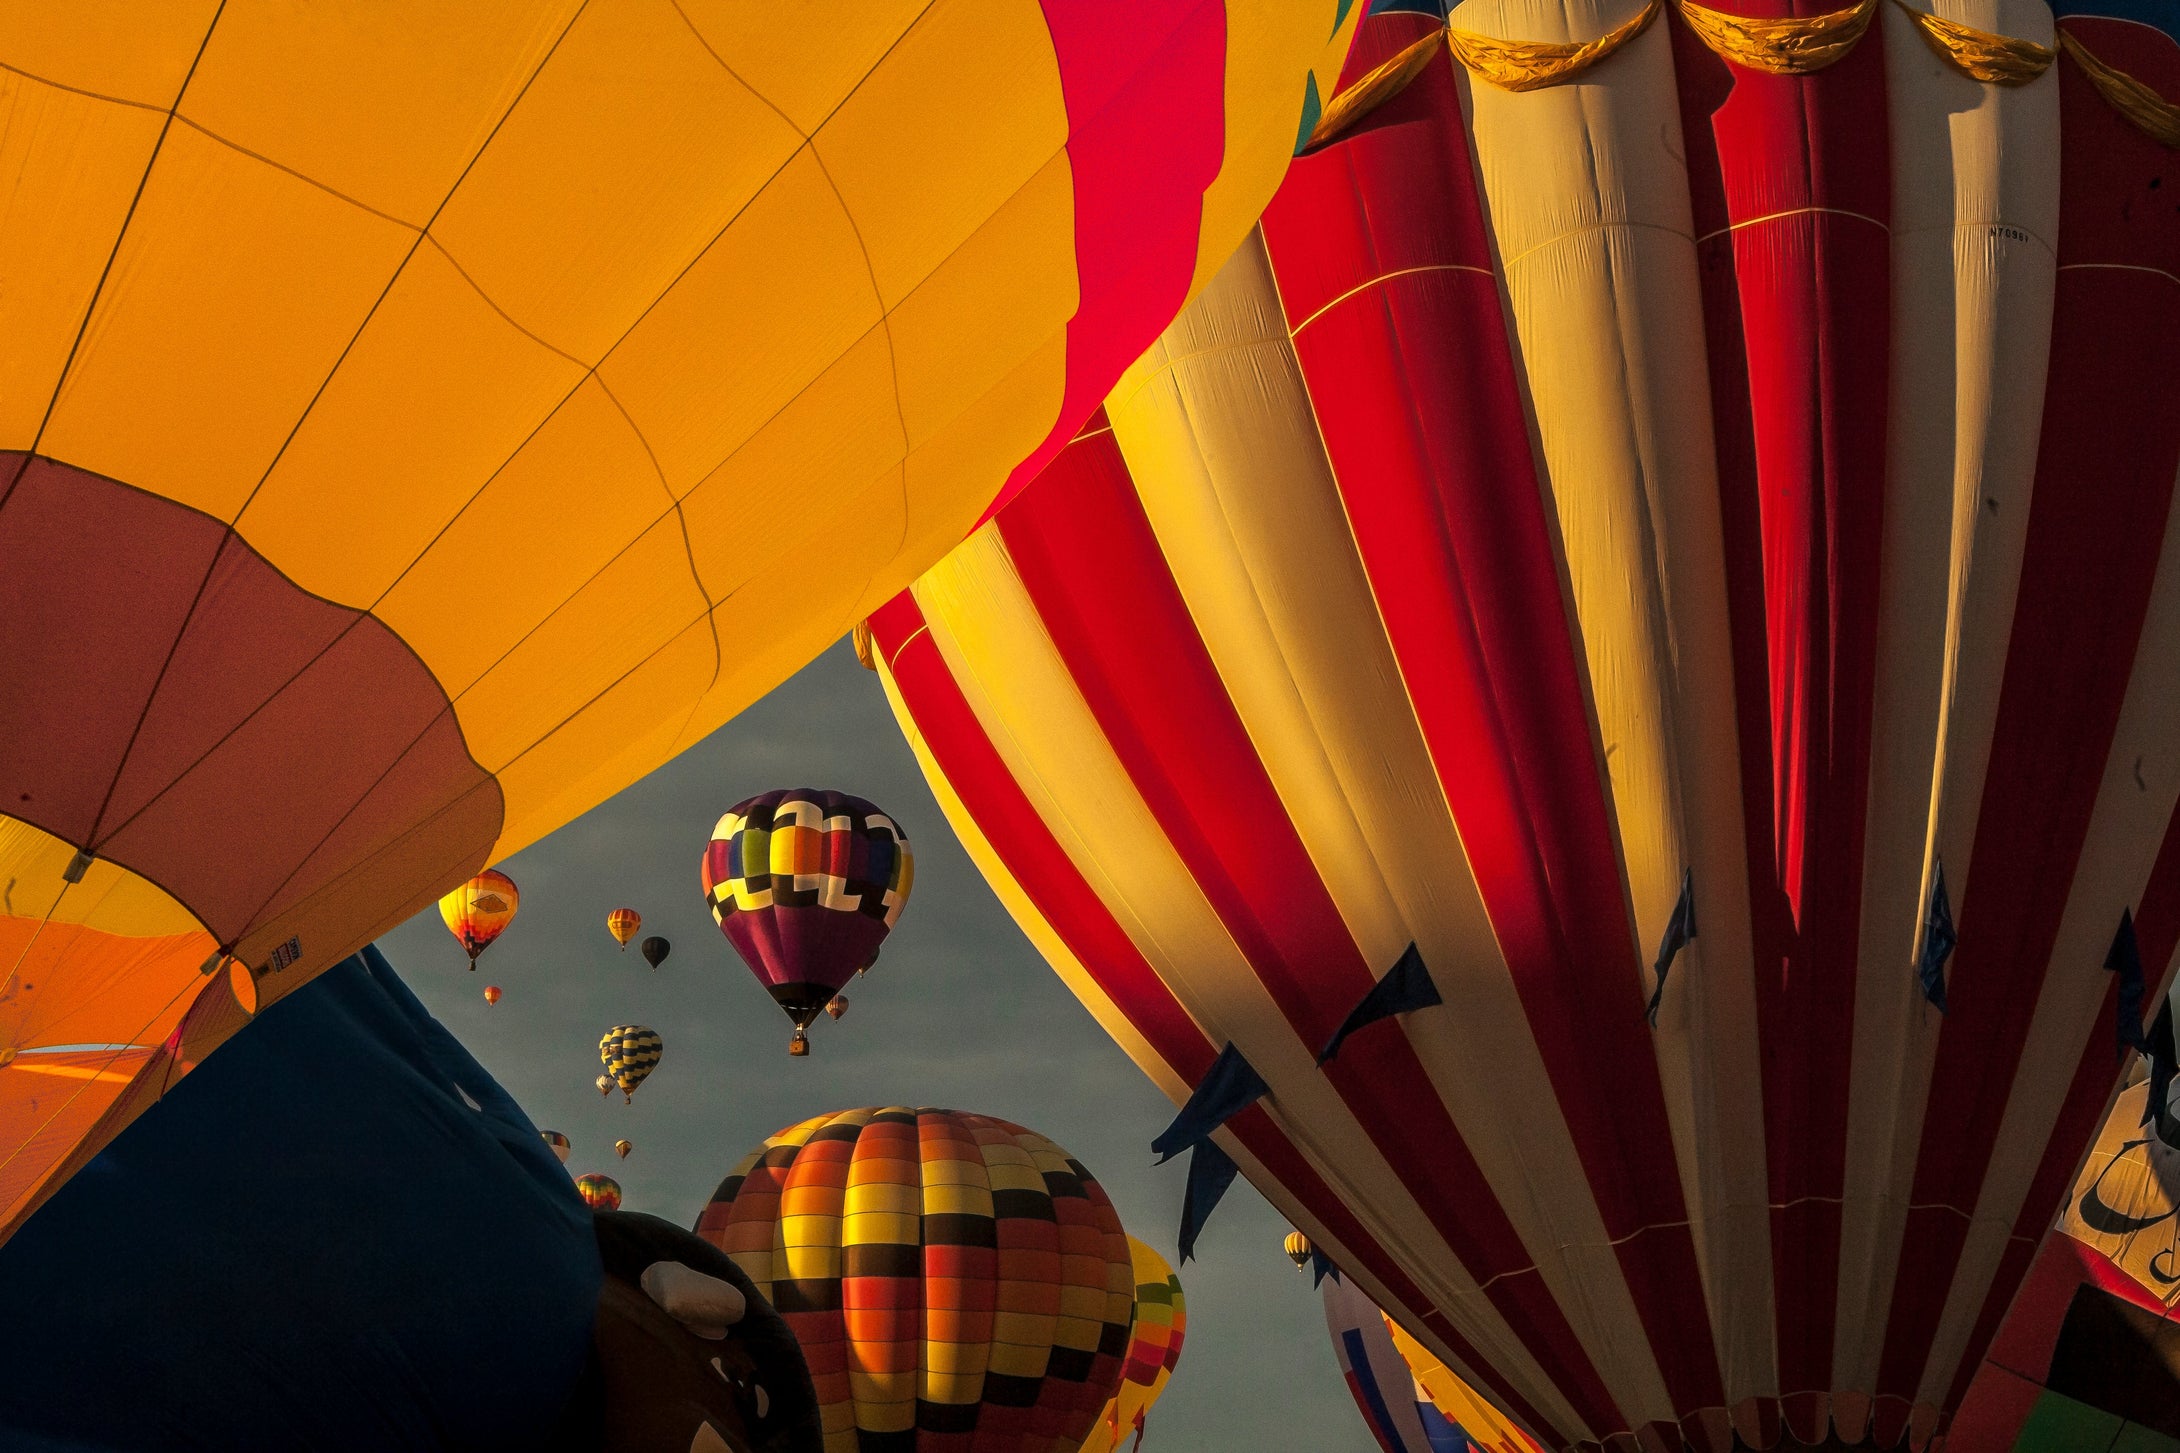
(803, 1002)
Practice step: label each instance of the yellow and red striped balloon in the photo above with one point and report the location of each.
(432, 417)
(947, 1275)
(1695, 512)
(623, 924)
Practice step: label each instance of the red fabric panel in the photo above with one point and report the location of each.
(973, 767)
(1145, 86)
(1082, 543)
(229, 707)
(1797, 321)
(2104, 480)
(1416, 394)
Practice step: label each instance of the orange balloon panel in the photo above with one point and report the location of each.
(946, 1274)
(452, 412)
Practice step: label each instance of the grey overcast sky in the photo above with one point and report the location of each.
(960, 1012)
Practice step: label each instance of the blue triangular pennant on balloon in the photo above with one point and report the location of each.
(1407, 985)
(1939, 939)
(1210, 1171)
(2125, 959)
(1679, 930)
(1230, 1085)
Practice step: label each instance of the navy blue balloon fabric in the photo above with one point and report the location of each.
(313, 1242)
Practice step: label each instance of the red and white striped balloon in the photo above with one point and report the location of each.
(1684, 473)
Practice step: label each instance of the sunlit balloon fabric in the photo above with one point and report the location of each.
(1154, 1350)
(806, 884)
(599, 1192)
(623, 923)
(2082, 1359)
(480, 910)
(1674, 476)
(558, 1142)
(955, 1281)
(629, 1052)
(1402, 1414)
(418, 421)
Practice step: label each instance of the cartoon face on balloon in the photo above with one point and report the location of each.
(2126, 1203)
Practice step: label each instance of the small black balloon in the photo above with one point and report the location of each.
(656, 949)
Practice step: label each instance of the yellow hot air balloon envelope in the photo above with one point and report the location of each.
(623, 924)
(433, 417)
(621, 1148)
(480, 910)
(1154, 1349)
(1298, 1249)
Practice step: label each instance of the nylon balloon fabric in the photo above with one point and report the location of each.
(1411, 1402)
(630, 1052)
(431, 418)
(955, 1280)
(1155, 1336)
(599, 1192)
(1688, 527)
(339, 1234)
(806, 884)
(479, 911)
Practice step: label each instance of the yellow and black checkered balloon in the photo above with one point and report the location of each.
(630, 1052)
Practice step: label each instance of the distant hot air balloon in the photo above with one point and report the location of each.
(805, 884)
(630, 1053)
(1716, 596)
(1298, 1249)
(655, 949)
(622, 923)
(599, 1192)
(837, 1005)
(396, 553)
(605, 1084)
(621, 1148)
(986, 1281)
(1154, 1348)
(480, 910)
(491, 993)
(558, 1142)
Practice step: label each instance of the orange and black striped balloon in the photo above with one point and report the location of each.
(954, 1280)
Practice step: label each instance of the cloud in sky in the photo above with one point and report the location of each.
(960, 1012)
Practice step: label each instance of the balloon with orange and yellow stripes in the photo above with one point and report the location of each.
(947, 1274)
